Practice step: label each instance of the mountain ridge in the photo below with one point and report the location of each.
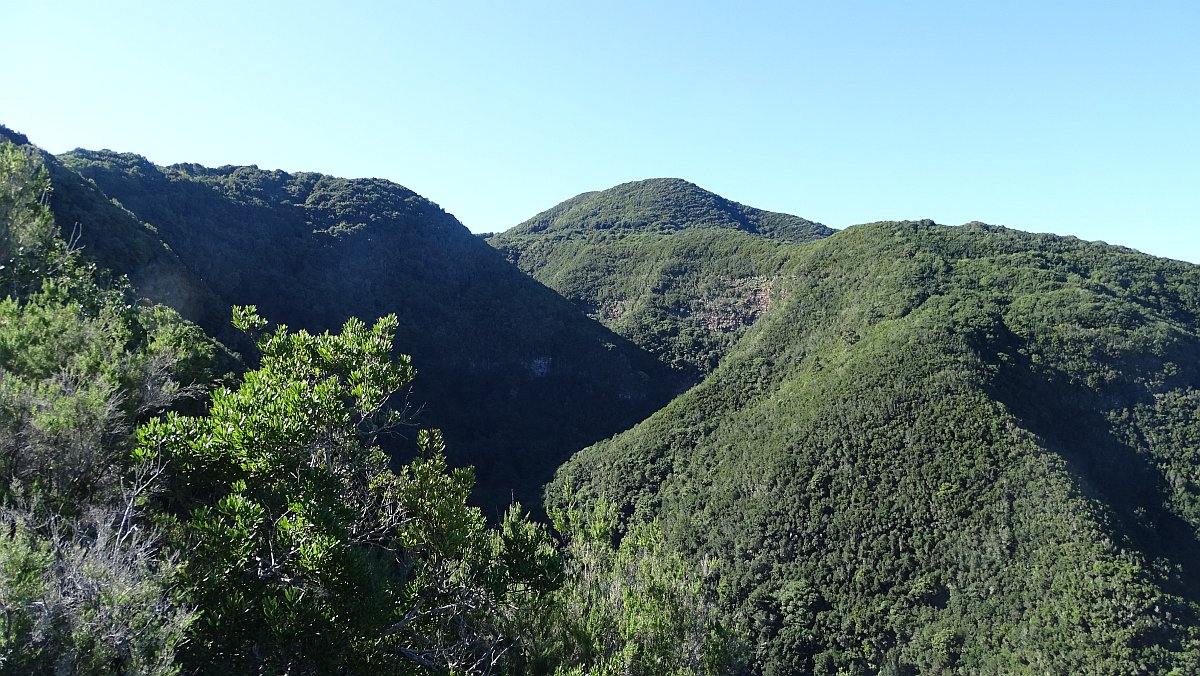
(665, 205)
(312, 250)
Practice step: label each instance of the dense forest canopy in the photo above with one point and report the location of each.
(771, 448)
(949, 448)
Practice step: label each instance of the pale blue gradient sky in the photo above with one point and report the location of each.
(1078, 118)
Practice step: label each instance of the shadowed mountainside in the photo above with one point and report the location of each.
(514, 374)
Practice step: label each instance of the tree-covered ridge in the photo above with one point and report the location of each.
(664, 205)
(674, 268)
(947, 449)
(247, 230)
(499, 354)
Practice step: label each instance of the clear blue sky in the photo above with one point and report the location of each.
(1072, 117)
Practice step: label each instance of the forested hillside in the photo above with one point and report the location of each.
(676, 269)
(517, 377)
(967, 449)
(899, 448)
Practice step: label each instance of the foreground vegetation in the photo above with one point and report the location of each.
(165, 515)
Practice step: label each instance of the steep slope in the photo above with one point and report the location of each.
(116, 240)
(674, 268)
(517, 377)
(966, 449)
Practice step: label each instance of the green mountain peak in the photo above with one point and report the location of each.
(663, 205)
(675, 268)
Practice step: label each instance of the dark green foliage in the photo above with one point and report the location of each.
(960, 449)
(82, 360)
(305, 552)
(29, 246)
(627, 606)
(636, 608)
(676, 269)
(84, 587)
(512, 372)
